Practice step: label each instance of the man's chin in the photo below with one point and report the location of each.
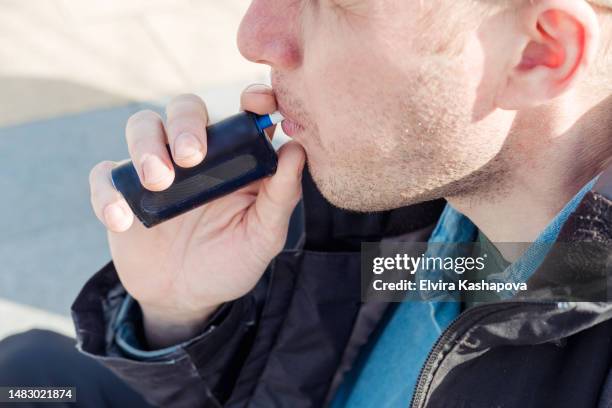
(335, 192)
(358, 195)
(353, 201)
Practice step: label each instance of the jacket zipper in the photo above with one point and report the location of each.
(452, 329)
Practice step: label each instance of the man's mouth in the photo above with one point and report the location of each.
(288, 106)
(290, 126)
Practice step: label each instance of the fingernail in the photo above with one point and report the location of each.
(186, 146)
(258, 89)
(154, 170)
(115, 215)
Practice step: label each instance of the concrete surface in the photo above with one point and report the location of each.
(126, 49)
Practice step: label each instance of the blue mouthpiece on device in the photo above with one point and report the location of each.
(266, 121)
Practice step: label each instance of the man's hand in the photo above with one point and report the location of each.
(180, 271)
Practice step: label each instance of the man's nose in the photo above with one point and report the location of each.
(269, 33)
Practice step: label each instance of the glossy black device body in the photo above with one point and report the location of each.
(239, 152)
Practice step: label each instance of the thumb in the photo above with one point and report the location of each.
(280, 193)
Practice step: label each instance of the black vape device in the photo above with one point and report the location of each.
(238, 153)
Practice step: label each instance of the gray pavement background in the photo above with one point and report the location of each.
(51, 241)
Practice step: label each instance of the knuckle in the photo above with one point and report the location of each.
(92, 174)
(189, 105)
(177, 126)
(275, 238)
(140, 146)
(272, 199)
(95, 204)
(144, 124)
(192, 123)
(100, 184)
(96, 201)
(187, 98)
(288, 183)
(100, 168)
(144, 115)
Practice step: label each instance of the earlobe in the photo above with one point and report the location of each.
(560, 41)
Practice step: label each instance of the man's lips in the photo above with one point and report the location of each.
(290, 126)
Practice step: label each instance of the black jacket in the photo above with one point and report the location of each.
(289, 342)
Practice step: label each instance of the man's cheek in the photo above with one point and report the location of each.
(344, 137)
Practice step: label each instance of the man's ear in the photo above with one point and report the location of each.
(558, 41)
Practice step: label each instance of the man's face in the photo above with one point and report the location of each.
(387, 97)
